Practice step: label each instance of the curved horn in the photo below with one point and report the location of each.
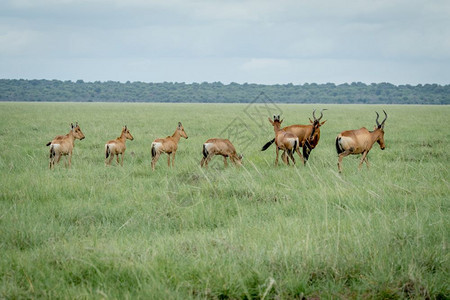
(382, 123)
(321, 114)
(314, 115)
(378, 124)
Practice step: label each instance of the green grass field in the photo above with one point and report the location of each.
(255, 232)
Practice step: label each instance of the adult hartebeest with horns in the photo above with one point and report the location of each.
(62, 145)
(285, 141)
(117, 146)
(308, 135)
(360, 141)
(168, 145)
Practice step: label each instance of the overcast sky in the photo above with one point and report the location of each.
(269, 42)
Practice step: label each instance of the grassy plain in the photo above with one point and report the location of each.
(255, 232)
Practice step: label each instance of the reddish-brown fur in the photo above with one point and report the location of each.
(117, 146)
(285, 141)
(359, 141)
(220, 147)
(62, 145)
(168, 145)
(308, 135)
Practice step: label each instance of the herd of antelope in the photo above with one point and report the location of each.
(287, 139)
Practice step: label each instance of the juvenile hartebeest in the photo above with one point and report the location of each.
(168, 145)
(220, 147)
(117, 146)
(360, 141)
(62, 145)
(285, 141)
(304, 133)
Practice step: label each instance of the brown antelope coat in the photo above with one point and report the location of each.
(117, 146)
(168, 145)
(220, 147)
(284, 141)
(62, 145)
(308, 135)
(359, 141)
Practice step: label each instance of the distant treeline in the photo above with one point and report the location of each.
(215, 92)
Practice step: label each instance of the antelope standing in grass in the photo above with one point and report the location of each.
(220, 147)
(117, 146)
(308, 135)
(285, 141)
(62, 145)
(168, 145)
(360, 141)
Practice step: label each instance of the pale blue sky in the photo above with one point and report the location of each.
(270, 42)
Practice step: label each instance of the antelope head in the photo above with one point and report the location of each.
(380, 127)
(239, 159)
(316, 122)
(181, 131)
(77, 133)
(276, 123)
(313, 139)
(127, 133)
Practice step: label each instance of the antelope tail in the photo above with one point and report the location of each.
(295, 146)
(48, 144)
(52, 152)
(108, 151)
(339, 149)
(205, 151)
(153, 150)
(267, 145)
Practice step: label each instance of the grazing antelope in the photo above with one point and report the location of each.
(62, 145)
(168, 145)
(359, 141)
(117, 146)
(310, 133)
(220, 147)
(284, 141)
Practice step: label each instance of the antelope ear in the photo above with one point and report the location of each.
(76, 124)
(311, 121)
(323, 122)
(281, 121)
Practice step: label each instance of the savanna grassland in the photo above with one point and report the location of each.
(256, 232)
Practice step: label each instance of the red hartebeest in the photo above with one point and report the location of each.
(360, 141)
(117, 146)
(168, 145)
(220, 147)
(285, 141)
(308, 135)
(62, 145)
